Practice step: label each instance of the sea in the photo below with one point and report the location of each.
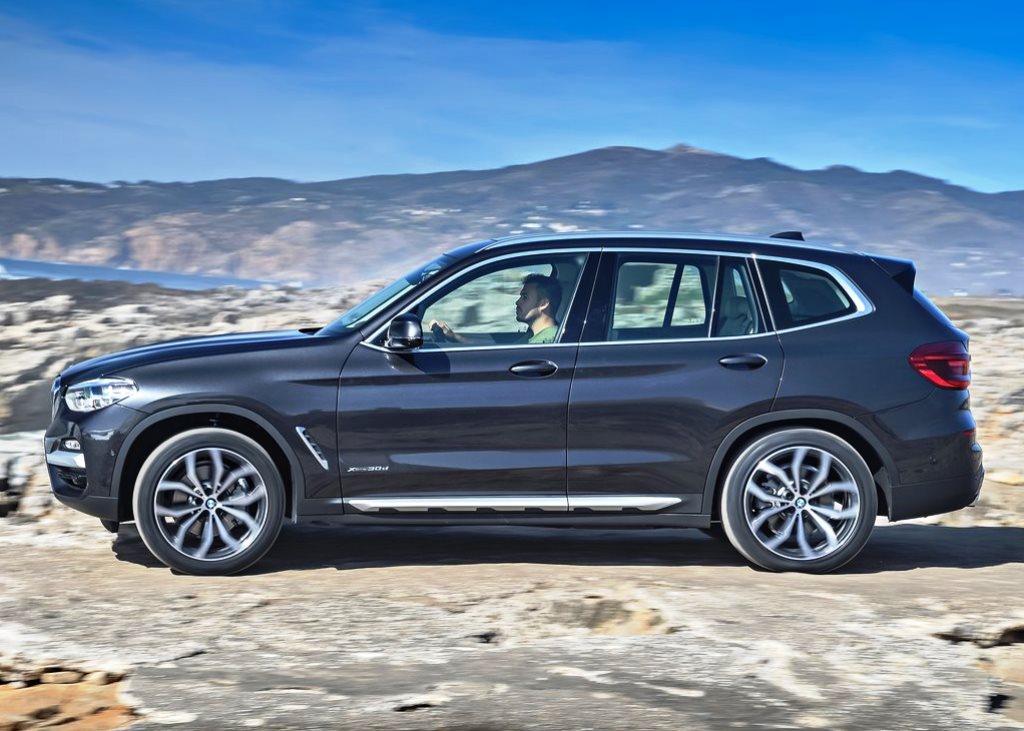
(26, 268)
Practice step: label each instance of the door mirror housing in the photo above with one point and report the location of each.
(404, 333)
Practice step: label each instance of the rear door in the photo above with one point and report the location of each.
(674, 355)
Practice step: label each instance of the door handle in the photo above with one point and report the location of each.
(743, 361)
(533, 368)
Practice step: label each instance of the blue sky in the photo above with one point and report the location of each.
(186, 90)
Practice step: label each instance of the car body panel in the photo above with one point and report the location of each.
(453, 422)
(646, 418)
(182, 349)
(290, 387)
(859, 365)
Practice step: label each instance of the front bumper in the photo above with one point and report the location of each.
(81, 478)
(98, 506)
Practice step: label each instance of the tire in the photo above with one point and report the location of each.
(817, 527)
(207, 529)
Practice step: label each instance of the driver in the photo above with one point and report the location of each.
(537, 304)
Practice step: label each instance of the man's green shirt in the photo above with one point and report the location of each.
(547, 335)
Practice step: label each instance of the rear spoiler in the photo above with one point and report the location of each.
(902, 271)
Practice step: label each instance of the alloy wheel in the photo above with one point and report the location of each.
(801, 503)
(210, 504)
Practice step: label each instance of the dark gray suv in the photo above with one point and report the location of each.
(778, 393)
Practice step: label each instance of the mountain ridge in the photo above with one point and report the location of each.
(325, 232)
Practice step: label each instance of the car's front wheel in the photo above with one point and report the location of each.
(799, 500)
(209, 501)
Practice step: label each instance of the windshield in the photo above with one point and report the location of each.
(376, 302)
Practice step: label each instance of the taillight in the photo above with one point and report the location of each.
(946, 364)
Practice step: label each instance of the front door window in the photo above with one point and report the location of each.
(520, 301)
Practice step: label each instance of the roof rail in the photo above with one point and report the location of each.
(794, 235)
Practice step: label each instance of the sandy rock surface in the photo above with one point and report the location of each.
(530, 628)
(996, 327)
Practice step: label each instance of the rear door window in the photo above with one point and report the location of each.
(661, 297)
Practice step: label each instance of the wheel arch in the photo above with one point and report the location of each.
(878, 459)
(163, 424)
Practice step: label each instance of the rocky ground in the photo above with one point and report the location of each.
(471, 628)
(477, 628)
(46, 325)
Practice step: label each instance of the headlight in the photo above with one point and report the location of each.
(98, 393)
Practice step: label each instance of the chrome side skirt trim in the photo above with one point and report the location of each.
(311, 446)
(512, 504)
(622, 502)
(457, 504)
(63, 458)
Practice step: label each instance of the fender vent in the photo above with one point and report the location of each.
(312, 446)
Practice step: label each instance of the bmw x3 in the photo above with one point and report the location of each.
(778, 394)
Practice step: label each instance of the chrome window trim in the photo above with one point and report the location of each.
(439, 285)
(469, 348)
(861, 302)
(674, 340)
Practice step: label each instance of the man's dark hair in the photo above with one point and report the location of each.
(548, 287)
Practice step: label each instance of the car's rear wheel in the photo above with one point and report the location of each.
(209, 501)
(799, 500)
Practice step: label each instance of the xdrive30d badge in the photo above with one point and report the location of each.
(778, 393)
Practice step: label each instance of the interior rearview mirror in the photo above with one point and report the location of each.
(404, 333)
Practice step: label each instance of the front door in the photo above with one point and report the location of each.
(475, 420)
(675, 354)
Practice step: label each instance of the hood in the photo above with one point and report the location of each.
(105, 365)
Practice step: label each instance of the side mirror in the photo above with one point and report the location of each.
(404, 333)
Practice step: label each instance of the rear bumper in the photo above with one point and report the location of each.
(937, 496)
(935, 463)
